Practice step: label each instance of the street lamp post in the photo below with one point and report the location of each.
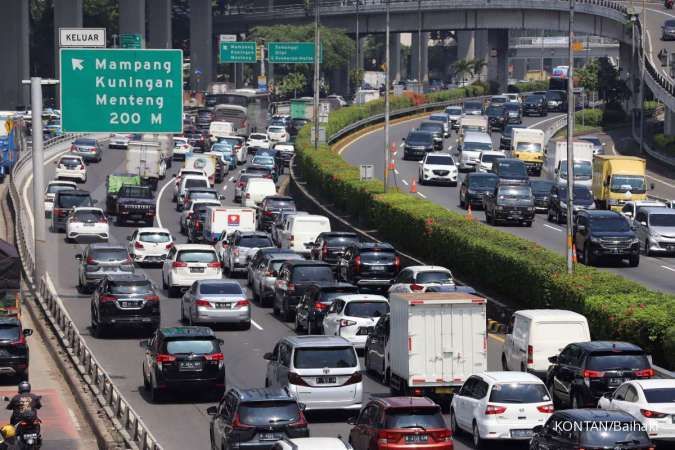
(643, 24)
(317, 43)
(570, 148)
(386, 101)
(419, 43)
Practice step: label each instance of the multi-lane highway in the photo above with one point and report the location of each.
(654, 272)
(181, 422)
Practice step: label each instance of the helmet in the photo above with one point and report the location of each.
(8, 431)
(24, 387)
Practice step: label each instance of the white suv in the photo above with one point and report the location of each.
(354, 316)
(500, 405)
(87, 222)
(323, 372)
(311, 443)
(417, 278)
(437, 168)
(150, 245)
(187, 263)
(71, 167)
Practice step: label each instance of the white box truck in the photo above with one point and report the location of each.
(555, 162)
(203, 161)
(144, 158)
(165, 142)
(221, 219)
(436, 341)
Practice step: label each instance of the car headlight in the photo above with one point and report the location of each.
(612, 201)
(530, 208)
(634, 241)
(427, 170)
(591, 206)
(654, 233)
(545, 198)
(499, 208)
(595, 240)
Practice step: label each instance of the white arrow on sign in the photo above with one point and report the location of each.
(77, 64)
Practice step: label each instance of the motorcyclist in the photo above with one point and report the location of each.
(668, 4)
(23, 403)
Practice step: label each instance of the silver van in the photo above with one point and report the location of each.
(475, 142)
(655, 228)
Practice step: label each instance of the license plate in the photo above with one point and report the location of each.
(616, 380)
(269, 436)
(414, 438)
(153, 258)
(444, 390)
(223, 305)
(130, 304)
(197, 269)
(521, 433)
(190, 366)
(365, 331)
(30, 436)
(326, 380)
(377, 268)
(89, 224)
(615, 250)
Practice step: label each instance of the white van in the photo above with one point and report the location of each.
(203, 161)
(303, 229)
(534, 335)
(220, 129)
(256, 190)
(475, 142)
(220, 219)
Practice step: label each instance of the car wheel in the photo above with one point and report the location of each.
(477, 441)
(575, 401)
(588, 258)
(146, 383)
(454, 426)
(275, 307)
(549, 215)
(505, 366)
(528, 223)
(245, 326)
(634, 261)
(298, 328)
(173, 291)
(182, 313)
(309, 327)
(462, 204)
(155, 395)
(267, 383)
(647, 251)
(554, 399)
(288, 315)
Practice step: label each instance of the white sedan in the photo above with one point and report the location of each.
(87, 222)
(52, 188)
(417, 278)
(71, 167)
(354, 316)
(652, 402)
(150, 245)
(277, 133)
(118, 140)
(438, 168)
(257, 141)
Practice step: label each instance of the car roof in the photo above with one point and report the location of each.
(373, 245)
(64, 182)
(312, 443)
(655, 383)
(481, 175)
(87, 208)
(599, 213)
(6, 320)
(317, 341)
(406, 402)
(477, 136)
(608, 346)
(337, 233)
(129, 278)
(657, 210)
(180, 247)
(510, 377)
(550, 314)
(106, 246)
(261, 394)
(364, 297)
(278, 197)
(74, 192)
(327, 285)
(153, 230)
(418, 269)
(305, 262)
(252, 233)
(172, 332)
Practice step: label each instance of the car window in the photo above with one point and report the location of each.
(375, 256)
(340, 241)
(318, 358)
(440, 160)
(609, 361)
(154, 237)
(480, 389)
(661, 220)
(129, 287)
(607, 434)
(631, 394)
(285, 355)
(109, 254)
(191, 346)
(67, 200)
(220, 289)
(88, 216)
(9, 332)
(255, 241)
(366, 309)
(433, 277)
(266, 413)
(197, 256)
(69, 160)
(660, 395)
(137, 192)
(425, 418)
(313, 273)
(620, 393)
(467, 388)
(193, 183)
(519, 393)
(54, 188)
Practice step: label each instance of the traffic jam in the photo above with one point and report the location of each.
(234, 242)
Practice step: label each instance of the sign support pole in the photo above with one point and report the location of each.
(317, 41)
(570, 145)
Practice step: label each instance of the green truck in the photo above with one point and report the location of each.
(113, 185)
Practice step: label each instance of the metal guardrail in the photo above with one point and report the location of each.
(127, 422)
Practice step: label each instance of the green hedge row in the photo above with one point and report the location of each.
(665, 144)
(649, 107)
(520, 270)
(528, 86)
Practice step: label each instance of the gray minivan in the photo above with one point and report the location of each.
(655, 228)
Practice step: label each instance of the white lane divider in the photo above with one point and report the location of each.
(421, 195)
(668, 268)
(255, 324)
(553, 228)
(231, 179)
(401, 144)
(396, 172)
(405, 182)
(159, 199)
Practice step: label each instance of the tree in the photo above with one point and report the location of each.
(461, 68)
(292, 83)
(587, 76)
(477, 66)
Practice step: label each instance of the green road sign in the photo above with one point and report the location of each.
(131, 40)
(121, 91)
(292, 52)
(238, 52)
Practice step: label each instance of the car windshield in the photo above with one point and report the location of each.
(223, 288)
(433, 276)
(340, 241)
(454, 111)
(519, 393)
(276, 264)
(192, 347)
(257, 137)
(483, 181)
(130, 287)
(609, 361)
(85, 142)
(274, 203)
(660, 395)
(626, 183)
(490, 158)
(255, 242)
(533, 99)
(229, 142)
(312, 273)
(554, 95)
(432, 127)
(438, 118)
(275, 130)
(473, 146)
(137, 192)
(473, 106)
(9, 332)
(583, 170)
(263, 160)
(529, 147)
(426, 418)
(70, 161)
(513, 192)
(88, 215)
(512, 107)
(320, 357)
(154, 237)
(580, 194)
(195, 183)
(222, 148)
(662, 220)
(54, 188)
(513, 169)
(495, 111)
(366, 309)
(197, 256)
(440, 160)
(419, 138)
(541, 187)
(611, 434)
(595, 141)
(610, 224)
(109, 254)
(265, 414)
(669, 23)
(378, 256)
(203, 195)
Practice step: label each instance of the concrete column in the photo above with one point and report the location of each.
(669, 124)
(159, 24)
(201, 44)
(67, 14)
(466, 45)
(498, 41)
(394, 57)
(238, 75)
(482, 51)
(132, 17)
(15, 51)
(359, 62)
(519, 68)
(415, 57)
(339, 81)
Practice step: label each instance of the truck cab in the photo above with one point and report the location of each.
(527, 144)
(471, 123)
(618, 179)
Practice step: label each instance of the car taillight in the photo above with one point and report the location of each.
(81, 166)
(240, 184)
(324, 250)
(290, 287)
(73, 148)
(593, 374)
(138, 245)
(357, 264)
(169, 245)
(107, 298)
(163, 359)
(177, 264)
(441, 435)
(294, 378)
(151, 298)
(416, 287)
(102, 220)
(198, 226)
(388, 437)
(355, 378)
(241, 304)
(645, 373)
(248, 195)
(397, 262)
(494, 409)
(60, 212)
(189, 215)
(320, 306)
(236, 252)
(237, 425)
(214, 357)
(347, 323)
(90, 260)
(652, 414)
(300, 423)
(547, 409)
(530, 355)
(267, 213)
(203, 303)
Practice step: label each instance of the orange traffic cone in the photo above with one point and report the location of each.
(469, 214)
(392, 165)
(413, 187)
(574, 253)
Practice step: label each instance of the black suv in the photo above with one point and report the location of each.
(556, 100)
(513, 113)
(124, 300)
(475, 186)
(369, 264)
(330, 245)
(584, 371)
(195, 222)
(496, 117)
(316, 301)
(541, 190)
(582, 198)
(510, 203)
(183, 357)
(14, 354)
(64, 203)
(135, 203)
(271, 207)
(417, 144)
(592, 429)
(294, 277)
(535, 105)
(601, 233)
(511, 170)
(507, 136)
(437, 131)
(256, 418)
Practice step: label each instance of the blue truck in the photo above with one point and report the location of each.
(8, 147)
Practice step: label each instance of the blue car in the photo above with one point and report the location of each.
(267, 162)
(226, 153)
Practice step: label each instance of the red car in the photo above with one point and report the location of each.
(400, 423)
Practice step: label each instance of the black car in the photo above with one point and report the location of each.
(330, 245)
(313, 305)
(541, 190)
(204, 118)
(135, 204)
(183, 357)
(474, 187)
(556, 100)
(294, 277)
(496, 117)
(437, 131)
(513, 113)
(535, 105)
(510, 203)
(195, 223)
(582, 198)
(124, 300)
(375, 349)
(585, 371)
(14, 353)
(261, 254)
(575, 429)
(197, 140)
(369, 265)
(256, 418)
(511, 170)
(284, 153)
(64, 203)
(601, 233)
(417, 144)
(507, 136)
(271, 207)
(296, 125)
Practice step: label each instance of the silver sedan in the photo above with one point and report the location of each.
(216, 301)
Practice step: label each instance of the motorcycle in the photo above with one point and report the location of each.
(669, 4)
(28, 436)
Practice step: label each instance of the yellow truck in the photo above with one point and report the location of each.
(618, 179)
(527, 144)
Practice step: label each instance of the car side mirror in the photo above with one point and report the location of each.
(28, 332)
(302, 406)
(212, 410)
(56, 162)
(553, 359)
(420, 162)
(628, 214)
(581, 227)
(144, 343)
(537, 429)
(643, 223)
(221, 197)
(129, 238)
(403, 139)
(268, 356)
(651, 187)
(173, 175)
(309, 245)
(607, 395)
(78, 257)
(351, 420)
(221, 341)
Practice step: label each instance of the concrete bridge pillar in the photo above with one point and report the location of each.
(482, 51)
(498, 41)
(466, 45)
(132, 17)
(669, 123)
(15, 51)
(394, 57)
(67, 14)
(238, 75)
(159, 24)
(201, 44)
(519, 68)
(416, 72)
